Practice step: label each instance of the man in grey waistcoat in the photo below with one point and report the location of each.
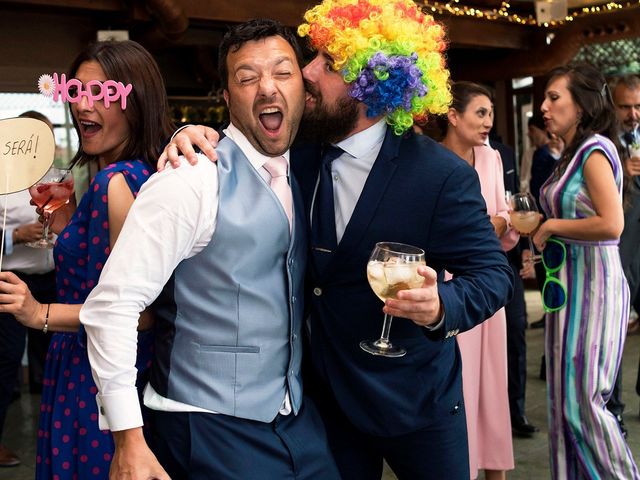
(223, 248)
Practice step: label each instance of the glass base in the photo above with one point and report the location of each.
(382, 348)
(42, 243)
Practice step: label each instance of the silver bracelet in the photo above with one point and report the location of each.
(46, 319)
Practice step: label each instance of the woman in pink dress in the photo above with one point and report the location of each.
(484, 348)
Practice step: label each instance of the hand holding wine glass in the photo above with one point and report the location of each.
(392, 267)
(50, 193)
(525, 218)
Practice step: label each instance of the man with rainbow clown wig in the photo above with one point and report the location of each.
(379, 66)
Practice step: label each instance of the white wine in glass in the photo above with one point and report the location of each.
(525, 218)
(392, 267)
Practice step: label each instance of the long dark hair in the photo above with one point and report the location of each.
(147, 109)
(590, 92)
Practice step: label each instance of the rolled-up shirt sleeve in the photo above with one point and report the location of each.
(173, 218)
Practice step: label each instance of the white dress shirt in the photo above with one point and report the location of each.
(19, 257)
(172, 219)
(351, 169)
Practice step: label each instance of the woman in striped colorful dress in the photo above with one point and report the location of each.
(584, 340)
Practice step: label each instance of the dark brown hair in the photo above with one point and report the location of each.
(591, 94)
(463, 92)
(252, 30)
(147, 109)
(37, 116)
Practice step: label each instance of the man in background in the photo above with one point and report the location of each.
(626, 97)
(35, 267)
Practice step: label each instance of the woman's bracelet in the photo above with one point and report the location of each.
(46, 319)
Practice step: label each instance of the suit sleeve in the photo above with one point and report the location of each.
(463, 242)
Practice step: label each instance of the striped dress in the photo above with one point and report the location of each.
(584, 340)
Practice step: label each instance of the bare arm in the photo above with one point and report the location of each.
(16, 299)
(119, 201)
(205, 138)
(606, 224)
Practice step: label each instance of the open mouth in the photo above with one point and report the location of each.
(89, 128)
(271, 119)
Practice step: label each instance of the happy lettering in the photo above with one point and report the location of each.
(73, 91)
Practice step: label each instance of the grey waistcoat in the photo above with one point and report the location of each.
(229, 319)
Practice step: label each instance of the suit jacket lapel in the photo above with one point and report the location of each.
(366, 207)
(305, 162)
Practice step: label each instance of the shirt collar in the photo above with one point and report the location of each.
(256, 158)
(363, 142)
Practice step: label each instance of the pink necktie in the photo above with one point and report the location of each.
(277, 168)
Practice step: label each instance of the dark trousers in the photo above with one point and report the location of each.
(205, 446)
(12, 341)
(43, 288)
(434, 453)
(516, 313)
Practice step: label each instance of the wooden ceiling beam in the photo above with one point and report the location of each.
(553, 47)
(103, 5)
(470, 32)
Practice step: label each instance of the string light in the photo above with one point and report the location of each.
(453, 7)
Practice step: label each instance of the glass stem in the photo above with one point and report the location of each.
(383, 341)
(533, 250)
(45, 227)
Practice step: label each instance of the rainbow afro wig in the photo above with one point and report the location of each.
(389, 52)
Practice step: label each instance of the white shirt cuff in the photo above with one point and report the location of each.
(437, 326)
(8, 241)
(119, 411)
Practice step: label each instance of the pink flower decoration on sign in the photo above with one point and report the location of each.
(46, 85)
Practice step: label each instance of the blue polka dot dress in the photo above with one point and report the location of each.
(70, 445)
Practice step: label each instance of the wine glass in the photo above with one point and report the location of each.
(50, 193)
(392, 267)
(525, 218)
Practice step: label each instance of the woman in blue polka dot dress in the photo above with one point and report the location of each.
(122, 143)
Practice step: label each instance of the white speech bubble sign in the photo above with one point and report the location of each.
(27, 150)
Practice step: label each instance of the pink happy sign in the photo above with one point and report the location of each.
(73, 90)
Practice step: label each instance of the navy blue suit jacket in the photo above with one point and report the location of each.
(418, 193)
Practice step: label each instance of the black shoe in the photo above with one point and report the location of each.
(522, 428)
(622, 426)
(8, 458)
(537, 323)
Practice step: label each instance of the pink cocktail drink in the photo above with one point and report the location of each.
(50, 193)
(51, 196)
